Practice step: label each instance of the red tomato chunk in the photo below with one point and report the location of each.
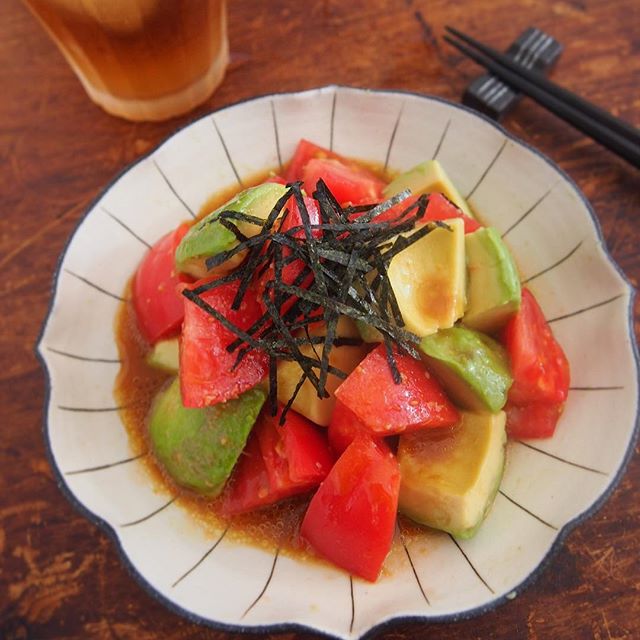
(158, 304)
(345, 427)
(348, 184)
(287, 460)
(351, 518)
(387, 408)
(540, 373)
(539, 367)
(207, 375)
(535, 420)
(304, 152)
(249, 487)
(441, 208)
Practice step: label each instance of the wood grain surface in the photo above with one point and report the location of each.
(60, 576)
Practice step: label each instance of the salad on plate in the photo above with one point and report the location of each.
(356, 345)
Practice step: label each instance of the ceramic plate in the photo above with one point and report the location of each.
(549, 485)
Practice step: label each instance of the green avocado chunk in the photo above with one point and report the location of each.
(450, 476)
(428, 177)
(472, 367)
(208, 237)
(199, 447)
(428, 279)
(493, 285)
(165, 355)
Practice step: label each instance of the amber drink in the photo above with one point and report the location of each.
(141, 59)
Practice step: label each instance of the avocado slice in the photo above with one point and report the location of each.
(449, 477)
(199, 447)
(208, 237)
(493, 290)
(428, 177)
(165, 355)
(472, 367)
(429, 279)
(345, 358)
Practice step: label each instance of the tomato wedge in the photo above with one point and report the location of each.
(351, 518)
(300, 444)
(538, 364)
(534, 420)
(345, 427)
(158, 305)
(249, 485)
(207, 373)
(304, 152)
(441, 208)
(387, 408)
(294, 458)
(348, 183)
(540, 373)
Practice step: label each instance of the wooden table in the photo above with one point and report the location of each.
(60, 577)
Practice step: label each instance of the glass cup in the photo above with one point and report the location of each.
(141, 59)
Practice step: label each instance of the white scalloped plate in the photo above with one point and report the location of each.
(549, 485)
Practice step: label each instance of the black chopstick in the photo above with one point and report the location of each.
(567, 96)
(621, 138)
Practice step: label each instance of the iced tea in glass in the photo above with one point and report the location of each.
(141, 59)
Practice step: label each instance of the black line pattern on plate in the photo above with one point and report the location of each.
(75, 356)
(276, 133)
(531, 209)
(202, 559)
(172, 188)
(333, 119)
(89, 409)
(353, 605)
(466, 557)
(124, 226)
(579, 311)
(96, 287)
(226, 152)
(486, 171)
(559, 459)
(554, 265)
(266, 584)
(602, 388)
(393, 137)
(442, 137)
(101, 467)
(413, 568)
(150, 515)
(533, 515)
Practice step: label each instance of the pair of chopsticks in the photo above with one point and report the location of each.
(611, 132)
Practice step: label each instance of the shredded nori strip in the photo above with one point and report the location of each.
(341, 269)
(332, 317)
(273, 386)
(240, 237)
(230, 214)
(386, 205)
(291, 400)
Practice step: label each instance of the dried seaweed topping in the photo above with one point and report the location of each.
(317, 272)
